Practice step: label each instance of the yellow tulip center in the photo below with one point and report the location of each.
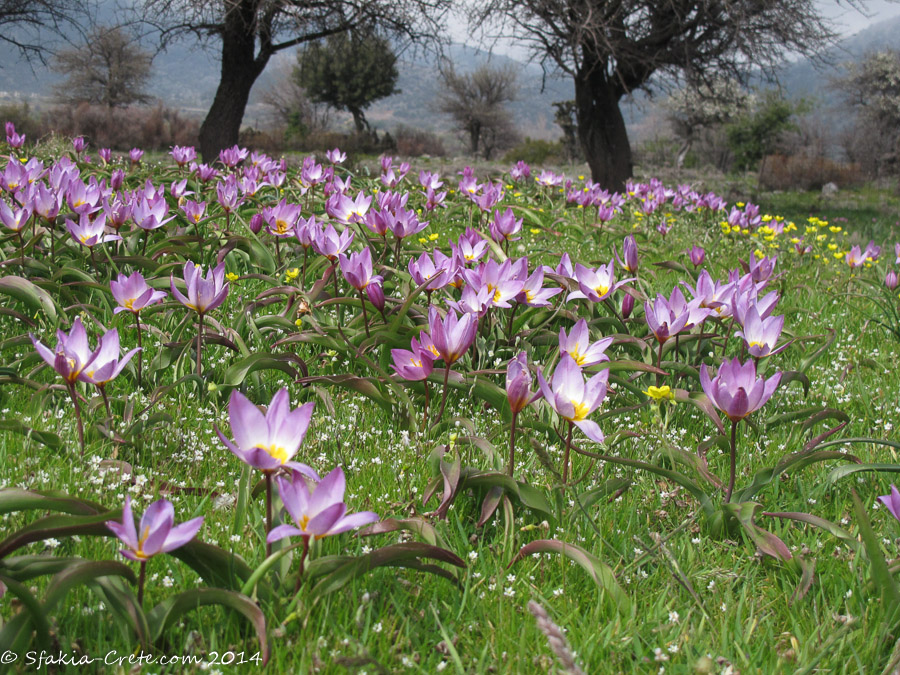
(304, 521)
(277, 452)
(601, 290)
(129, 304)
(140, 547)
(581, 410)
(577, 356)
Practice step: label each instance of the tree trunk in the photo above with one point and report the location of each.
(601, 129)
(240, 68)
(474, 137)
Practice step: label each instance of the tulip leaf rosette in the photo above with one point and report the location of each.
(156, 533)
(269, 441)
(574, 399)
(737, 392)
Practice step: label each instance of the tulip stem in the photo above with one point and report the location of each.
(427, 401)
(268, 475)
(102, 389)
(440, 414)
(565, 474)
(734, 425)
(278, 250)
(74, 396)
(362, 301)
(509, 326)
(302, 563)
(512, 444)
(303, 274)
(199, 341)
(22, 248)
(140, 354)
(142, 576)
(659, 363)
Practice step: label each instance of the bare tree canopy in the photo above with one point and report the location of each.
(109, 69)
(476, 102)
(251, 31)
(24, 23)
(613, 47)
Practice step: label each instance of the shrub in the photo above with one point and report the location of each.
(412, 142)
(799, 172)
(536, 151)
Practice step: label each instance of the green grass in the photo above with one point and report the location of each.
(700, 602)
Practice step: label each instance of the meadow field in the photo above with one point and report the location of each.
(390, 421)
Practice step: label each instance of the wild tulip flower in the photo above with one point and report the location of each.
(596, 285)
(629, 261)
(897, 253)
(336, 156)
(70, 358)
(761, 269)
(105, 364)
(203, 295)
(183, 155)
(533, 292)
(452, 337)
(437, 271)
(855, 257)
(664, 322)
(574, 399)
(317, 513)
(892, 501)
(697, 255)
(135, 155)
(156, 533)
(348, 211)
(760, 334)
(357, 270)
(627, 305)
(578, 345)
(504, 226)
(132, 295)
(330, 244)
(89, 232)
(268, 441)
(415, 364)
(79, 144)
(519, 395)
(105, 154)
(891, 281)
(736, 391)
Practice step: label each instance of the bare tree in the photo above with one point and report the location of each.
(873, 88)
(249, 32)
(25, 23)
(109, 69)
(613, 47)
(291, 109)
(477, 103)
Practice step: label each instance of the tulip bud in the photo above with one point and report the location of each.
(891, 280)
(256, 223)
(116, 179)
(627, 305)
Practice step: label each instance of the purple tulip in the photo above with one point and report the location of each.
(572, 397)
(533, 292)
(697, 255)
(629, 254)
(437, 272)
(760, 334)
(505, 225)
(183, 155)
(892, 501)
(735, 390)
(319, 513)
(72, 353)
(327, 242)
(336, 156)
(193, 211)
(105, 155)
(158, 532)
(357, 269)
(579, 347)
(104, 365)
(627, 305)
(135, 155)
(761, 269)
(203, 294)
(14, 218)
(663, 320)
(452, 336)
(79, 144)
(267, 441)
(133, 294)
(414, 365)
(346, 210)
(891, 281)
(596, 285)
(281, 219)
(518, 383)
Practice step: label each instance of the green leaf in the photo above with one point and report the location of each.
(598, 570)
(418, 525)
(408, 554)
(26, 567)
(170, 610)
(16, 633)
(238, 372)
(814, 356)
(218, 567)
(56, 526)
(816, 521)
(765, 541)
(17, 499)
(881, 575)
(46, 438)
(842, 471)
(36, 299)
(121, 601)
(81, 573)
